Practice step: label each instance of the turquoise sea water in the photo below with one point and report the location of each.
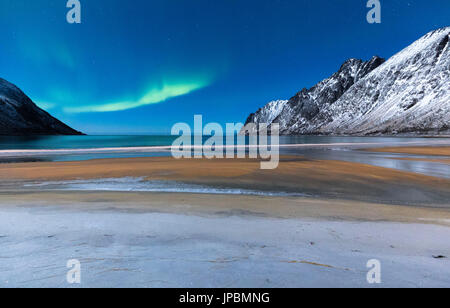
(81, 142)
(88, 142)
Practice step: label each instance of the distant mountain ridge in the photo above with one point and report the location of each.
(409, 93)
(20, 116)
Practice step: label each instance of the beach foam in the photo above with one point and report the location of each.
(139, 184)
(151, 149)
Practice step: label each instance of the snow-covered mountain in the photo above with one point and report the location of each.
(20, 116)
(409, 93)
(269, 113)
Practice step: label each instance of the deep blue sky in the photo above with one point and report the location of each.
(222, 59)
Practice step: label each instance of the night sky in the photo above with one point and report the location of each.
(140, 66)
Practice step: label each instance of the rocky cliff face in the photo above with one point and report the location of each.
(409, 93)
(20, 116)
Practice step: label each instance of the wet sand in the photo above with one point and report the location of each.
(226, 205)
(419, 151)
(431, 160)
(321, 178)
(432, 151)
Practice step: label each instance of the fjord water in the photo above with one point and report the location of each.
(81, 142)
(94, 141)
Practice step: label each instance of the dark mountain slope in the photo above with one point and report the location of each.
(20, 116)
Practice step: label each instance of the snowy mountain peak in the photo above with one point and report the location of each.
(409, 93)
(269, 113)
(435, 41)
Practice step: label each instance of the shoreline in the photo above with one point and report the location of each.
(9, 153)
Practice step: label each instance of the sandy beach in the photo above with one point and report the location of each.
(157, 249)
(309, 223)
(332, 179)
